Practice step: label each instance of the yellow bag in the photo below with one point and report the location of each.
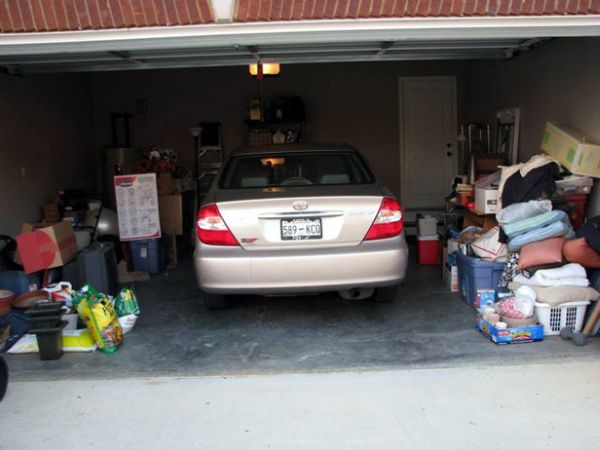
(99, 315)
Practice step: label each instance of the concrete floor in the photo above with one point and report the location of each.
(427, 327)
(549, 406)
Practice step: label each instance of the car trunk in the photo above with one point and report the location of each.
(323, 216)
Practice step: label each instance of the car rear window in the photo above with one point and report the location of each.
(295, 169)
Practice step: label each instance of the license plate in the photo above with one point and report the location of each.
(301, 229)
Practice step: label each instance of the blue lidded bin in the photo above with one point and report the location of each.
(148, 255)
(19, 282)
(475, 274)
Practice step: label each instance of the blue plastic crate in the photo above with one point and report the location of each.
(475, 274)
(148, 255)
(19, 282)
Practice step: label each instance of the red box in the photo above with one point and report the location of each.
(47, 247)
(428, 250)
(578, 215)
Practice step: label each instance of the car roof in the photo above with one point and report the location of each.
(290, 148)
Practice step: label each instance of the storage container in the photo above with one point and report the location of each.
(476, 274)
(148, 255)
(428, 249)
(555, 318)
(18, 282)
(426, 225)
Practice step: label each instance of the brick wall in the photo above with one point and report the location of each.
(62, 15)
(264, 10)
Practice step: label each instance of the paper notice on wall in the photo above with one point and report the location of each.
(137, 206)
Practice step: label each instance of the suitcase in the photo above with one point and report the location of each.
(96, 266)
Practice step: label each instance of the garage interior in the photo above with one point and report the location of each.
(55, 111)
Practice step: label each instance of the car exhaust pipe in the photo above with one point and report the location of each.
(356, 293)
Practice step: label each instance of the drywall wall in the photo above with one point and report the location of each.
(556, 82)
(354, 103)
(45, 143)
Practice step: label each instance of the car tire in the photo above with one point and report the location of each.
(215, 301)
(3, 377)
(386, 294)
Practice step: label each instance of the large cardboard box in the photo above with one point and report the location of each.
(573, 149)
(47, 247)
(171, 214)
(486, 200)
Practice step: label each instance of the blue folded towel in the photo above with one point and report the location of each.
(555, 229)
(534, 223)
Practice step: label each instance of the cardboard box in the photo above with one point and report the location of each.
(164, 183)
(451, 277)
(46, 248)
(573, 149)
(486, 200)
(171, 214)
(515, 335)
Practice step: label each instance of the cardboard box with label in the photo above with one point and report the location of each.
(171, 214)
(486, 200)
(47, 247)
(573, 149)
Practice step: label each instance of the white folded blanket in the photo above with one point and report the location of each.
(567, 275)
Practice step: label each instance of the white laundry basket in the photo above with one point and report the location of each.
(555, 318)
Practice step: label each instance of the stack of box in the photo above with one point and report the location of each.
(428, 245)
(449, 265)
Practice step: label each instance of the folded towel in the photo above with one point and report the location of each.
(557, 295)
(533, 223)
(556, 229)
(567, 275)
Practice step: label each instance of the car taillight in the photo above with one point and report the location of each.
(212, 229)
(389, 221)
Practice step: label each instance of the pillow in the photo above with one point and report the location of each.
(578, 251)
(557, 295)
(548, 251)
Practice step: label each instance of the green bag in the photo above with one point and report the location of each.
(126, 303)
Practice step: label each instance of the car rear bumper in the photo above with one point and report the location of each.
(233, 270)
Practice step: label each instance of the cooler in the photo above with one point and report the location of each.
(428, 250)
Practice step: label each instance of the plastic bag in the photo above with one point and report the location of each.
(520, 211)
(521, 306)
(97, 311)
(126, 303)
(488, 246)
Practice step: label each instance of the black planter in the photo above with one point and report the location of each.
(49, 339)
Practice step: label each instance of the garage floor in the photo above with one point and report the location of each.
(176, 336)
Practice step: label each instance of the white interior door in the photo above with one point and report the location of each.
(427, 141)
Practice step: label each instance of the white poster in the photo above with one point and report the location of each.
(137, 206)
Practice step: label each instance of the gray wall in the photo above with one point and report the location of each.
(354, 103)
(558, 82)
(45, 128)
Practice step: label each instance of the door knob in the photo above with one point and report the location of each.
(449, 154)
(449, 144)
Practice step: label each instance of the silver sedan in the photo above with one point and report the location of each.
(291, 219)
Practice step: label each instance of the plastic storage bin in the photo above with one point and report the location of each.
(426, 225)
(475, 274)
(18, 282)
(428, 249)
(555, 318)
(148, 255)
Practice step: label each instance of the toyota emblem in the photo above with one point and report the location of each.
(300, 205)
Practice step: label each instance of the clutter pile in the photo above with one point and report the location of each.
(529, 276)
(58, 319)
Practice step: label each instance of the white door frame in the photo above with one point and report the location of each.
(401, 129)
